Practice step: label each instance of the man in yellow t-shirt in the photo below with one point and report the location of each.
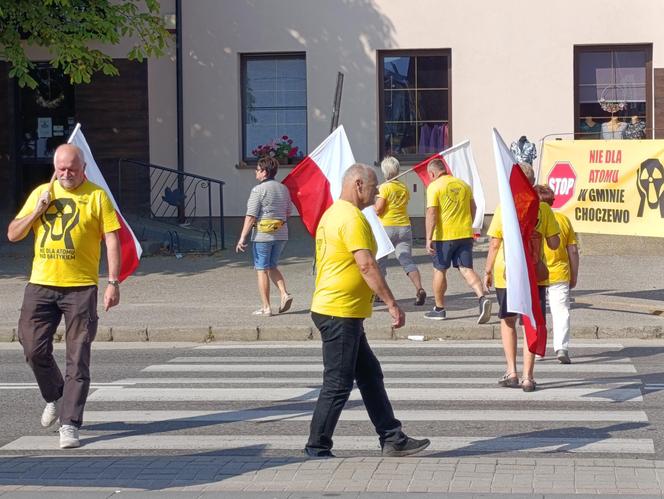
(347, 277)
(68, 217)
(563, 265)
(548, 230)
(449, 237)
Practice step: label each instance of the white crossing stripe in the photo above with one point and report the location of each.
(388, 367)
(259, 443)
(387, 359)
(417, 380)
(316, 345)
(263, 415)
(311, 394)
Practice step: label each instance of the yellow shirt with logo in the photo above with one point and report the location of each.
(546, 226)
(452, 197)
(557, 261)
(341, 291)
(396, 198)
(68, 235)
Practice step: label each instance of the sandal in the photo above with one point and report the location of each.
(509, 380)
(262, 311)
(286, 302)
(420, 297)
(528, 384)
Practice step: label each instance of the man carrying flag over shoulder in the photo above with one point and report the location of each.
(519, 226)
(69, 217)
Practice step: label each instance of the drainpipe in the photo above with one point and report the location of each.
(180, 118)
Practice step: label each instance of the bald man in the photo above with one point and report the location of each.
(69, 217)
(347, 278)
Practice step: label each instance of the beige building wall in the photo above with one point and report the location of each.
(512, 68)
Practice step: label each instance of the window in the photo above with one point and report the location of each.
(613, 88)
(414, 107)
(274, 102)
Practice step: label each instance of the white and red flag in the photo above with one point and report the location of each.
(519, 207)
(129, 245)
(315, 183)
(460, 163)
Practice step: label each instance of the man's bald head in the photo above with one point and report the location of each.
(69, 164)
(358, 185)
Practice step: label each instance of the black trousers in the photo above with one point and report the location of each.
(347, 357)
(42, 311)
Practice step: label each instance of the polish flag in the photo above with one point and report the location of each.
(460, 163)
(519, 207)
(129, 245)
(315, 183)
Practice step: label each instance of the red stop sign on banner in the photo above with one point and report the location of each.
(562, 179)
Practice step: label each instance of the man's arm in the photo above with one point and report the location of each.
(553, 241)
(430, 223)
(374, 278)
(20, 227)
(114, 257)
(573, 254)
(494, 246)
(380, 206)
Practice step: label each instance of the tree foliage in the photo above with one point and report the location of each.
(71, 30)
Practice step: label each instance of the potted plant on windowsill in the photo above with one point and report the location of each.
(282, 149)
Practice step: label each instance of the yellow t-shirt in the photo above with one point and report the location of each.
(452, 197)
(68, 235)
(396, 198)
(557, 261)
(341, 291)
(546, 226)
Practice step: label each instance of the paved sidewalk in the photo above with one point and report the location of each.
(211, 298)
(236, 473)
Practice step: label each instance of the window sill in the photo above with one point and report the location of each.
(251, 164)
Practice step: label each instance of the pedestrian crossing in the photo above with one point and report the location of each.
(258, 399)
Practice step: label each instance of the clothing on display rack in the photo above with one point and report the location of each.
(636, 129)
(590, 129)
(433, 138)
(613, 129)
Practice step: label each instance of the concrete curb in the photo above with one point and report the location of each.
(221, 334)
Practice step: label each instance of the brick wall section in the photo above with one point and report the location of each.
(658, 84)
(113, 112)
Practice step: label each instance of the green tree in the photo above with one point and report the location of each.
(67, 28)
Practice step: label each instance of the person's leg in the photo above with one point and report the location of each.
(37, 324)
(473, 280)
(508, 336)
(340, 339)
(80, 310)
(369, 377)
(262, 251)
(264, 288)
(559, 305)
(403, 250)
(439, 285)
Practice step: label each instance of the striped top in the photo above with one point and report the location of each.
(270, 200)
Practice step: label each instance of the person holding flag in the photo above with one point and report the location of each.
(547, 229)
(449, 237)
(69, 217)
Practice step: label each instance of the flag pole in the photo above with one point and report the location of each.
(76, 129)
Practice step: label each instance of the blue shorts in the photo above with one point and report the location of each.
(458, 252)
(266, 254)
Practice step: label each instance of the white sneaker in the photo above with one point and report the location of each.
(69, 437)
(50, 414)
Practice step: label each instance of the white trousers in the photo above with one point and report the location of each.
(558, 298)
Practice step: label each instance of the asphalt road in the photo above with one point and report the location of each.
(185, 398)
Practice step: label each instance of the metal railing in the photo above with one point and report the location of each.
(174, 196)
